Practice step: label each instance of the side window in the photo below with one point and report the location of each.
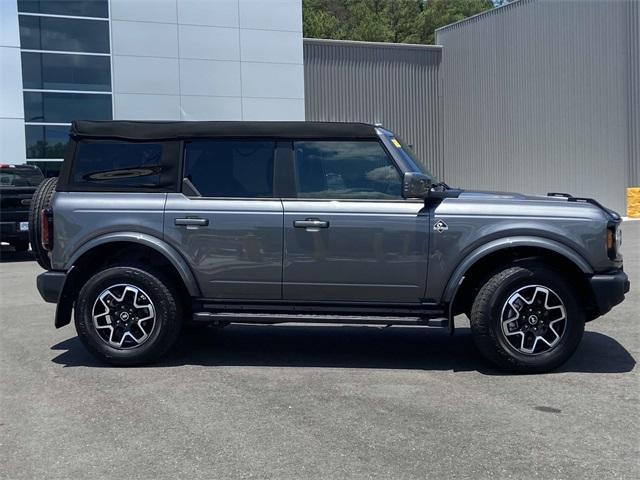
(230, 168)
(120, 165)
(345, 170)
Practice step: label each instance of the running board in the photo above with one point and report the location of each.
(243, 317)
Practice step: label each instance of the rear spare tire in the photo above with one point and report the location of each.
(41, 199)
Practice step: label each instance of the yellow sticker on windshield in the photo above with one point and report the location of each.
(396, 143)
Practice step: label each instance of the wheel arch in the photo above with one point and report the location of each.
(487, 257)
(109, 248)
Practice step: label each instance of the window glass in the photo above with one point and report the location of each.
(46, 141)
(78, 8)
(118, 164)
(20, 177)
(65, 107)
(64, 34)
(49, 168)
(345, 170)
(58, 71)
(231, 168)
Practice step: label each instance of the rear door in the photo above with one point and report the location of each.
(226, 222)
(349, 234)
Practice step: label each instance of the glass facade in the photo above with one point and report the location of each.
(66, 72)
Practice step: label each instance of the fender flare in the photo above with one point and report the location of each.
(147, 240)
(505, 243)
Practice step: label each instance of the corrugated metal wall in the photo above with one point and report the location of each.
(536, 99)
(396, 85)
(634, 94)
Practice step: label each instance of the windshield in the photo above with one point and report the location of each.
(408, 155)
(20, 177)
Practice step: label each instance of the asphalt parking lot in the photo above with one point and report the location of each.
(326, 402)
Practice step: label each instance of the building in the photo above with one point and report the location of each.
(519, 98)
(142, 59)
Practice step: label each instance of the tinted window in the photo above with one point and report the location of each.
(46, 141)
(78, 8)
(64, 34)
(343, 169)
(118, 164)
(20, 177)
(57, 71)
(65, 107)
(231, 168)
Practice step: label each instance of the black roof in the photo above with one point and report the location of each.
(138, 130)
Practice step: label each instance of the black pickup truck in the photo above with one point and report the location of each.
(17, 185)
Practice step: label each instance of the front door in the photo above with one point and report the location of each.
(226, 222)
(349, 235)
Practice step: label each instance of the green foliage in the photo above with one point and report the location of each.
(398, 21)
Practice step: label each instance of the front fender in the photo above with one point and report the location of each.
(505, 243)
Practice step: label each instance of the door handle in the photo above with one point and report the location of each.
(311, 223)
(201, 222)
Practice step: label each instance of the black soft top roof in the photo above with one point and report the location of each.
(137, 130)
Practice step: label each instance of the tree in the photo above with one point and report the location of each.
(398, 21)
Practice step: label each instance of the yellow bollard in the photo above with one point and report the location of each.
(633, 202)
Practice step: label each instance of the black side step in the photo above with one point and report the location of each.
(270, 318)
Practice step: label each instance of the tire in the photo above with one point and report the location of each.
(152, 289)
(20, 246)
(41, 199)
(508, 336)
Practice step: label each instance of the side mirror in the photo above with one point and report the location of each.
(415, 185)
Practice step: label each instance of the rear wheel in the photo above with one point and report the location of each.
(527, 319)
(128, 316)
(41, 199)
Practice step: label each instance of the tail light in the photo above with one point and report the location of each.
(46, 228)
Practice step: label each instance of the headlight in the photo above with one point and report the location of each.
(614, 240)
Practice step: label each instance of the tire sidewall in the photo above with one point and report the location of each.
(166, 309)
(574, 325)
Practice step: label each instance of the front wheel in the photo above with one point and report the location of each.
(527, 319)
(128, 316)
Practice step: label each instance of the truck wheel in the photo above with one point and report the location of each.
(128, 316)
(527, 319)
(41, 199)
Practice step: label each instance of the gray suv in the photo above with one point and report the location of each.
(153, 225)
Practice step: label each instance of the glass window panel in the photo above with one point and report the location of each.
(46, 141)
(345, 170)
(118, 164)
(78, 8)
(64, 34)
(20, 176)
(49, 169)
(56, 71)
(66, 107)
(231, 168)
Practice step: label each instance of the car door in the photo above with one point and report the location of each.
(349, 235)
(226, 222)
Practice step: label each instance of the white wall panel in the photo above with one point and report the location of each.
(9, 33)
(146, 107)
(209, 77)
(273, 108)
(12, 149)
(271, 14)
(217, 13)
(146, 75)
(271, 46)
(209, 43)
(211, 108)
(271, 80)
(144, 10)
(142, 38)
(10, 84)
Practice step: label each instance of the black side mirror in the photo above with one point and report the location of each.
(415, 185)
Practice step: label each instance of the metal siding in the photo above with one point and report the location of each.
(536, 99)
(395, 85)
(634, 94)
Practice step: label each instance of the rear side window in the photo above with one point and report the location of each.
(230, 168)
(345, 170)
(120, 165)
